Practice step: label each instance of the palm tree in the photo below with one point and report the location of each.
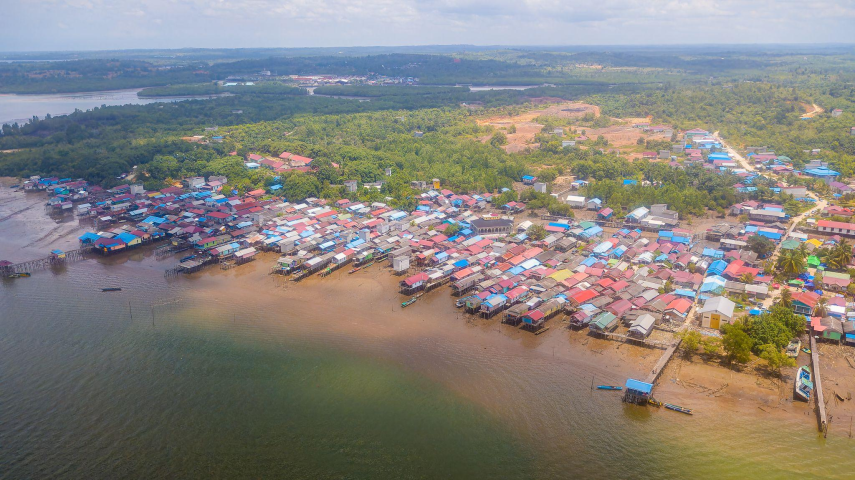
(803, 249)
(821, 309)
(840, 256)
(786, 298)
(791, 263)
(746, 278)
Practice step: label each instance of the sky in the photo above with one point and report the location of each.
(28, 25)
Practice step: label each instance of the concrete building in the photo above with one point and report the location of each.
(716, 310)
(575, 201)
(498, 226)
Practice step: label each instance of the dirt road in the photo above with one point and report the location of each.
(820, 203)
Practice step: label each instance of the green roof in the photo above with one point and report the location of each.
(790, 244)
(813, 260)
(603, 320)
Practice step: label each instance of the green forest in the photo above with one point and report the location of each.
(752, 101)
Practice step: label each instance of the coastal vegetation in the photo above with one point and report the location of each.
(215, 88)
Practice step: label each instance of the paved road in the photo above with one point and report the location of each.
(820, 203)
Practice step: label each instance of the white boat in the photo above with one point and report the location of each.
(793, 348)
(803, 384)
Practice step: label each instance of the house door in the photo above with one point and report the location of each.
(715, 320)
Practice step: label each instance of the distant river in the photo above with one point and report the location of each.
(21, 108)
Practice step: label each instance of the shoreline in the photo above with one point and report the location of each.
(367, 306)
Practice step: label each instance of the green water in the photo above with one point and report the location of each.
(96, 385)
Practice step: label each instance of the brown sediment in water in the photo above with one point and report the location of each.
(365, 308)
(27, 232)
(474, 357)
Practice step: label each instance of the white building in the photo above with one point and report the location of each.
(575, 201)
(716, 310)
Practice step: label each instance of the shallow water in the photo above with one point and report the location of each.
(226, 374)
(21, 108)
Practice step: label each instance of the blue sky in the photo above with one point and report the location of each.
(119, 24)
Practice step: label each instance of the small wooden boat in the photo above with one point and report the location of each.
(462, 301)
(111, 289)
(806, 350)
(187, 258)
(609, 387)
(354, 270)
(409, 302)
(802, 385)
(793, 348)
(677, 408)
(654, 402)
(20, 275)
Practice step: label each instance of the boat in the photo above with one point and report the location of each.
(111, 289)
(654, 402)
(802, 385)
(462, 301)
(793, 348)
(20, 275)
(609, 387)
(806, 350)
(187, 258)
(677, 408)
(409, 302)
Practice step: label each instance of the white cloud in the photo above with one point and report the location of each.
(291, 23)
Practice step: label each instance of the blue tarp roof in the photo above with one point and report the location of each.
(495, 300)
(127, 237)
(717, 267)
(685, 293)
(769, 235)
(88, 237)
(713, 253)
(461, 263)
(638, 385)
(154, 220)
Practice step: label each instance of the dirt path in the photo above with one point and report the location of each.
(811, 110)
(820, 203)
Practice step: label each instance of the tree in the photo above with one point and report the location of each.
(506, 197)
(710, 345)
(775, 358)
(840, 255)
(498, 139)
(791, 263)
(536, 232)
(667, 287)
(691, 341)
(746, 278)
(760, 245)
(821, 309)
(451, 230)
(786, 299)
(512, 128)
(736, 343)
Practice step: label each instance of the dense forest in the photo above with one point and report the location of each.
(754, 114)
(363, 138)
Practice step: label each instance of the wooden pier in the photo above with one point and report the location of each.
(46, 262)
(663, 362)
(817, 384)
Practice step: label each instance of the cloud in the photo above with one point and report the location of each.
(97, 24)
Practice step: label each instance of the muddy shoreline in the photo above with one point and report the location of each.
(365, 308)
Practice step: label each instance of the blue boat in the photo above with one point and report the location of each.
(608, 387)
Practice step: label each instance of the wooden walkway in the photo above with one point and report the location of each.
(663, 362)
(817, 383)
(42, 263)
